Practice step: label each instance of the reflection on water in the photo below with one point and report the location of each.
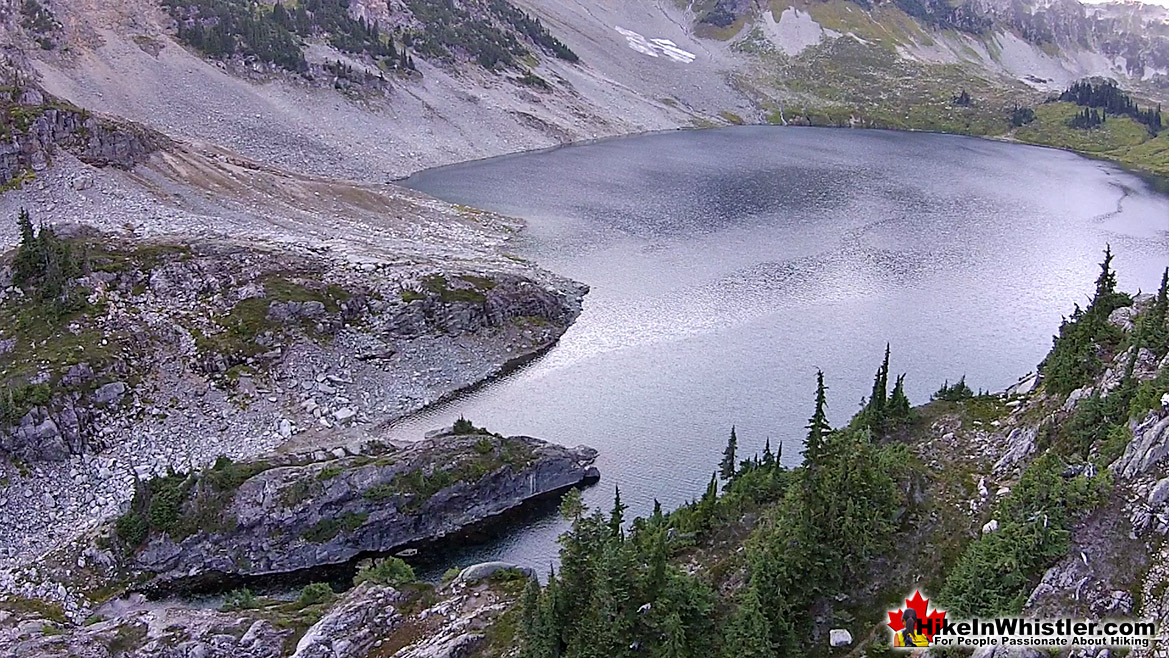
(728, 265)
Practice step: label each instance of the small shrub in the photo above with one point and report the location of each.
(315, 594)
(329, 472)
(391, 571)
(953, 392)
(449, 575)
(240, 599)
(132, 528)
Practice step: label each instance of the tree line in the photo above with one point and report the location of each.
(225, 28)
(1104, 97)
(619, 593)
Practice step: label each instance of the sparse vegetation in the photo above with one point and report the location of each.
(240, 599)
(327, 529)
(392, 571)
(315, 594)
(996, 573)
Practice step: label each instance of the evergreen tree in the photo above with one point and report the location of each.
(617, 515)
(1105, 282)
(529, 619)
(818, 424)
(547, 631)
(768, 457)
(899, 408)
(571, 506)
(674, 644)
(748, 633)
(655, 576)
(727, 465)
(27, 263)
(875, 413)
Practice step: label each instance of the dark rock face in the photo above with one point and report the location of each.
(38, 125)
(290, 518)
(508, 297)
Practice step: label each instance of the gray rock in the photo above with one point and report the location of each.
(109, 393)
(1122, 318)
(1160, 493)
(483, 570)
(364, 508)
(1020, 445)
(1149, 445)
(350, 628)
(839, 637)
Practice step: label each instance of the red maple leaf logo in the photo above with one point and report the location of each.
(919, 605)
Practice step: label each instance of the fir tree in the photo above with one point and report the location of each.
(875, 413)
(818, 424)
(572, 507)
(748, 633)
(727, 465)
(768, 457)
(617, 515)
(529, 619)
(1105, 282)
(899, 407)
(674, 645)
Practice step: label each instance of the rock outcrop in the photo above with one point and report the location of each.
(214, 308)
(410, 621)
(293, 517)
(36, 124)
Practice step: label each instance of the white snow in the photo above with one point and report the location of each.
(656, 47)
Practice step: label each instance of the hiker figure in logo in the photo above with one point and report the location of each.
(909, 636)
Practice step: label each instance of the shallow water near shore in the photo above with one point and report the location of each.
(728, 265)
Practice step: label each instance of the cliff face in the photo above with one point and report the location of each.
(33, 126)
(295, 517)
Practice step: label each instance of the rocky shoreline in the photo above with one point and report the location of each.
(333, 350)
(290, 514)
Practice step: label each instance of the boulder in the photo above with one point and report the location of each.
(839, 637)
(1020, 445)
(109, 393)
(1149, 445)
(484, 570)
(1160, 493)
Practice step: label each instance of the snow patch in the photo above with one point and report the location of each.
(795, 31)
(656, 47)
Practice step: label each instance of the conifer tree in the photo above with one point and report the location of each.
(818, 424)
(1105, 285)
(547, 627)
(674, 645)
(875, 413)
(529, 618)
(572, 507)
(748, 633)
(727, 465)
(768, 457)
(655, 575)
(899, 407)
(617, 515)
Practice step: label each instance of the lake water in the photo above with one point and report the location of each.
(728, 265)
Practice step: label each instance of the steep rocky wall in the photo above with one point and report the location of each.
(291, 518)
(35, 125)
